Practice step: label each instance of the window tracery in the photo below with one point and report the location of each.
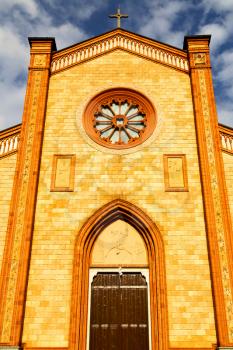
(119, 118)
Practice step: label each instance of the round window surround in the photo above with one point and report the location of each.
(119, 119)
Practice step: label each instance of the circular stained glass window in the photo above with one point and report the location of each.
(119, 118)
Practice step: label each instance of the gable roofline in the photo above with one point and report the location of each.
(226, 127)
(115, 31)
(10, 130)
(121, 39)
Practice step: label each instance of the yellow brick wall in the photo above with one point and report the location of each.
(228, 166)
(101, 177)
(7, 171)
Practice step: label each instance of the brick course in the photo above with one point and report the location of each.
(137, 177)
(7, 172)
(228, 167)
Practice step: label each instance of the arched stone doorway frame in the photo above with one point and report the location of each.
(115, 210)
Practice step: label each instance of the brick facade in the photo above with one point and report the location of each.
(137, 176)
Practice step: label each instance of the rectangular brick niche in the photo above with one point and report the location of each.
(63, 173)
(175, 173)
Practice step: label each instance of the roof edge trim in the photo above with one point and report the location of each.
(84, 42)
(41, 38)
(124, 40)
(11, 129)
(196, 37)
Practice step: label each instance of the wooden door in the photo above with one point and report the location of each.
(119, 312)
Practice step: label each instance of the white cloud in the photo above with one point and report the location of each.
(80, 9)
(29, 6)
(13, 62)
(158, 23)
(157, 19)
(218, 32)
(12, 99)
(218, 5)
(225, 113)
(14, 58)
(224, 77)
(65, 34)
(225, 72)
(85, 10)
(221, 30)
(20, 19)
(12, 55)
(219, 25)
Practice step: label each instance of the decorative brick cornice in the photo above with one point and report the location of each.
(9, 140)
(124, 40)
(226, 137)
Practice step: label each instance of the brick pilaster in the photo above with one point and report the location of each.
(16, 257)
(217, 214)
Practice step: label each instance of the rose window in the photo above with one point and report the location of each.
(119, 119)
(119, 122)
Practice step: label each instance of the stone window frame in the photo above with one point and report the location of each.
(119, 95)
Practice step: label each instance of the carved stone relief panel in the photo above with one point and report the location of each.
(199, 59)
(63, 173)
(40, 60)
(175, 173)
(119, 244)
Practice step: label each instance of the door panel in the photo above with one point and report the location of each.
(104, 314)
(119, 312)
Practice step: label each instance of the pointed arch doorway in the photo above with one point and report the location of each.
(103, 267)
(118, 313)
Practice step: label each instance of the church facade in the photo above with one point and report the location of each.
(117, 201)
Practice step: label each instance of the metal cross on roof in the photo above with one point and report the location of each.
(118, 15)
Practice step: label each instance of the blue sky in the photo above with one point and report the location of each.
(71, 21)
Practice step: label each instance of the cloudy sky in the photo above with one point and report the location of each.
(71, 21)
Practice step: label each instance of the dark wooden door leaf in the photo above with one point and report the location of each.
(119, 312)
